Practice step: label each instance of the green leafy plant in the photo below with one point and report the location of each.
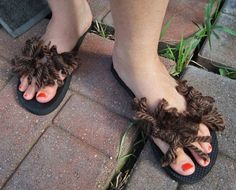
(227, 71)
(101, 29)
(122, 143)
(183, 51)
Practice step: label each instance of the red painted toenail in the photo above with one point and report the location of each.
(42, 95)
(20, 86)
(25, 95)
(205, 162)
(186, 166)
(209, 148)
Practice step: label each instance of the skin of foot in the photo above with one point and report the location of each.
(138, 26)
(70, 20)
(153, 81)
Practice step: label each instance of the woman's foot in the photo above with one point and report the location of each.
(66, 26)
(147, 77)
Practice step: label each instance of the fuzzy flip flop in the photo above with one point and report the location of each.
(43, 63)
(179, 130)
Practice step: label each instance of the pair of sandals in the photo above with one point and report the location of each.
(179, 130)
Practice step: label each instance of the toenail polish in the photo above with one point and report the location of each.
(209, 148)
(205, 162)
(20, 86)
(25, 95)
(186, 166)
(42, 95)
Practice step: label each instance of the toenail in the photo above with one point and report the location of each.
(209, 148)
(20, 86)
(25, 95)
(186, 166)
(42, 95)
(205, 162)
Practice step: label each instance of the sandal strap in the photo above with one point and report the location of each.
(44, 63)
(179, 130)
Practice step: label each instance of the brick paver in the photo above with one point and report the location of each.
(182, 14)
(99, 8)
(223, 49)
(222, 89)
(5, 72)
(19, 130)
(95, 125)
(229, 7)
(60, 161)
(10, 47)
(148, 174)
(222, 176)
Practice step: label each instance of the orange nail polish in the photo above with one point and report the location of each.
(209, 148)
(186, 166)
(205, 162)
(42, 95)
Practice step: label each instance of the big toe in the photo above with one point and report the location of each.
(183, 163)
(46, 94)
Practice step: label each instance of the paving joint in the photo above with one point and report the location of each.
(22, 160)
(81, 140)
(99, 103)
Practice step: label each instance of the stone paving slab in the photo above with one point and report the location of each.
(5, 72)
(223, 49)
(58, 162)
(182, 14)
(99, 8)
(223, 90)
(9, 47)
(95, 125)
(19, 130)
(95, 80)
(229, 7)
(222, 176)
(148, 174)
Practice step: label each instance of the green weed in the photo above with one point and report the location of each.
(183, 51)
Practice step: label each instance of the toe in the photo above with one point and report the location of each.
(30, 91)
(23, 83)
(199, 160)
(204, 131)
(183, 164)
(46, 94)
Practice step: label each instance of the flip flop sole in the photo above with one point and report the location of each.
(38, 108)
(200, 172)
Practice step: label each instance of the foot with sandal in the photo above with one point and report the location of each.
(179, 120)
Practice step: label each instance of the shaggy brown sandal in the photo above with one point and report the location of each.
(179, 130)
(43, 63)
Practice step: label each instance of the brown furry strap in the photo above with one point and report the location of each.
(179, 130)
(44, 63)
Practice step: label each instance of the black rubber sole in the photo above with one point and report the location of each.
(38, 108)
(200, 172)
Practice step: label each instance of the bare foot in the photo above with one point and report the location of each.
(150, 79)
(63, 30)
